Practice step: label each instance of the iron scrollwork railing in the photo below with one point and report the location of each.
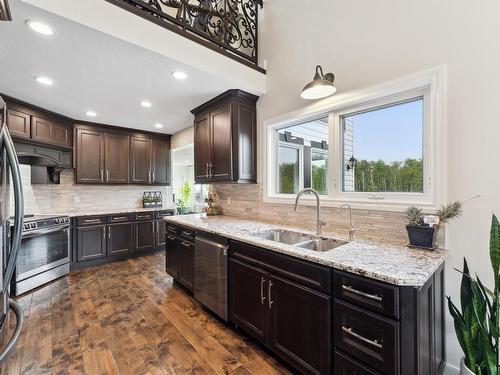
(231, 25)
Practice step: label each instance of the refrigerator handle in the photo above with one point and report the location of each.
(18, 203)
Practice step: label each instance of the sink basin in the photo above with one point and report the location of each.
(282, 236)
(321, 244)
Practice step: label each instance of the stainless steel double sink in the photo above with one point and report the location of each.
(301, 240)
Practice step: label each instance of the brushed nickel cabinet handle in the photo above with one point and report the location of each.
(206, 170)
(153, 176)
(349, 331)
(262, 297)
(102, 175)
(92, 221)
(104, 233)
(120, 217)
(211, 170)
(109, 233)
(107, 175)
(269, 289)
(362, 294)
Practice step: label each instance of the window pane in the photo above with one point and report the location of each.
(319, 172)
(302, 157)
(288, 173)
(383, 150)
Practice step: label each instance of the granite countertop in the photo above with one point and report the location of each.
(396, 265)
(109, 211)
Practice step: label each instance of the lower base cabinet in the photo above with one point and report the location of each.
(291, 319)
(180, 255)
(102, 238)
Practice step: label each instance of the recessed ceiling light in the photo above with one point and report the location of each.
(159, 126)
(146, 104)
(91, 113)
(40, 27)
(179, 75)
(44, 80)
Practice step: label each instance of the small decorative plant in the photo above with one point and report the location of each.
(422, 229)
(477, 324)
(185, 197)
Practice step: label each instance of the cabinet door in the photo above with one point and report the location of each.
(89, 156)
(160, 234)
(161, 162)
(19, 124)
(117, 158)
(140, 160)
(48, 131)
(172, 256)
(202, 147)
(221, 158)
(300, 325)
(144, 236)
(186, 264)
(119, 239)
(249, 308)
(91, 243)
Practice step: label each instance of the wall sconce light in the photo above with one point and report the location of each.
(350, 163)
(320, 87)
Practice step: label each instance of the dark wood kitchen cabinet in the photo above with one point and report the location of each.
(36, 125)
(160, 162)
(180, 255)
(292, 319)
(186, 264)
(116, 158)
(144, 236)
(225, 138)
(140, 160)
(172, 255)
(90, 145)
(91, 242)
(119, 240)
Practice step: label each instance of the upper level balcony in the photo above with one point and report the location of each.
(229, 27)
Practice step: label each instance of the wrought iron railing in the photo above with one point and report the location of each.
(229, 26)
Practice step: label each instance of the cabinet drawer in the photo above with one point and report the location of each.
(139, 216)
(305, 273)
(187, 234)
(373, 295)
(91, 220)
(119, 218)
(172, 229)
(366, 337)
(164, 213)
(344, 365)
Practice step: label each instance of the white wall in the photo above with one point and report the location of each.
(365, 42)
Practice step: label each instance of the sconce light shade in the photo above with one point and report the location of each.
(320, 87)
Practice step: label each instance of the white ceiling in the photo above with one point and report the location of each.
(95, 71)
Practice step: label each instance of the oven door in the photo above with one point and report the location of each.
(41, 250)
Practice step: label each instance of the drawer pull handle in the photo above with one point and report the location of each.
(120, 217)
(92, 221)
(269, 301)
(171, 238)
(262, 297)
(349, 331)
(187, 244)
(360, 293)
(143, 216)
(189, 234)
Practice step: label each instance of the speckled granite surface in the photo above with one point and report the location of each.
(397, 265)
(109, 211)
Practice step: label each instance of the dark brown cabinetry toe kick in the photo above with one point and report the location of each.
(321, 320)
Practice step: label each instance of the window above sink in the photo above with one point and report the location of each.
(378, 148)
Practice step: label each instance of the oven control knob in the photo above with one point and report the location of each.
(66, 219)
(26, 226)
(58, 221)
(33, 225)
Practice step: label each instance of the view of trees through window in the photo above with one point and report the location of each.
(383, 149)
(319, 172)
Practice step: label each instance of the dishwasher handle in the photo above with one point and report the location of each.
(209, 242)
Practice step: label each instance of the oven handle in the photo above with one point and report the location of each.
(44, 231)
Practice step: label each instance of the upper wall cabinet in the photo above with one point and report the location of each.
(225, 139)
(36, 125)
(111, 156)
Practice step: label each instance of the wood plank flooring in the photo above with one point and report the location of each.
(128, 318)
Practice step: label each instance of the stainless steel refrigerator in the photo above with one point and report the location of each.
(9, 240)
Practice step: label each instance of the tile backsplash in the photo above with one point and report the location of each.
(247, 201)
(61, 198)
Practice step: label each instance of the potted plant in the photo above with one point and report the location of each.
(422, 229)
(477, 322)
(185, 197)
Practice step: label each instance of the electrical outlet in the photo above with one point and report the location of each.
(76, 199)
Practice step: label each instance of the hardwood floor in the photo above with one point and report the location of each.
(128, 318)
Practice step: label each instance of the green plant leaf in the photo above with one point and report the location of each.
(495, 247)
(465, 287)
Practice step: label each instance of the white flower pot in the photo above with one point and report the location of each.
(464, 370)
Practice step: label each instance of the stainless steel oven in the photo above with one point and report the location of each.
(44, 254)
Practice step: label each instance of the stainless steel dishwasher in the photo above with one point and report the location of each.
(210, 272)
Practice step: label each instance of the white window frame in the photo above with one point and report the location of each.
(327, 153)
(429, 84)
(297, 147)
